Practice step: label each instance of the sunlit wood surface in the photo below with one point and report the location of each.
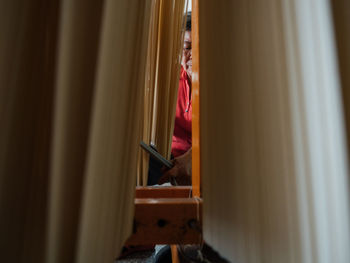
(166, 221)
(163, 192)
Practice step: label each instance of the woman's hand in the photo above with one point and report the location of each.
(181, 172)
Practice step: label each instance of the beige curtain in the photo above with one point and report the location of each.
(27, 60)
(71, 86)
(273, 149)
(162, 78)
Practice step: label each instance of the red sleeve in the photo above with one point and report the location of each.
(182, 137)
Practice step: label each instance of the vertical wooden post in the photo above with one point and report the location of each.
(174, 254)
(195, 101)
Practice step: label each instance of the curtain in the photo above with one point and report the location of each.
(71, 76)
(341, 16)
(273, 148)
(27, 45)
(162, 78)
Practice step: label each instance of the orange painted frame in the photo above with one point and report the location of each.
(196, 182)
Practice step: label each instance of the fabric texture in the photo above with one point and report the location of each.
(341, 17)
(72, 77)
(273, 148)
(182, 136)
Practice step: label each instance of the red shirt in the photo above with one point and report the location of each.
(182, 137)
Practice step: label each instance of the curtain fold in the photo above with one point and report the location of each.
(162, 78)
(341, 17)
(79, 38)
(27, 65)
(107, 215)
(273, 150)
(170, 39)
(71, 84)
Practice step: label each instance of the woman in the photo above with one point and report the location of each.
(181, 147)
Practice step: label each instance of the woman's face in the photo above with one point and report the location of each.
(187, 54)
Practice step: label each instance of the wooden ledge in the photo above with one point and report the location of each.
(163, 192)
(167, 221)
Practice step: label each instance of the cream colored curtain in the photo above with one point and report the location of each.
(162, 78)
(71, 85)
(273, 150)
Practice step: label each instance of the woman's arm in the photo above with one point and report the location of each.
(182, 170)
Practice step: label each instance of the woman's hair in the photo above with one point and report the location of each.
(188, 21)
